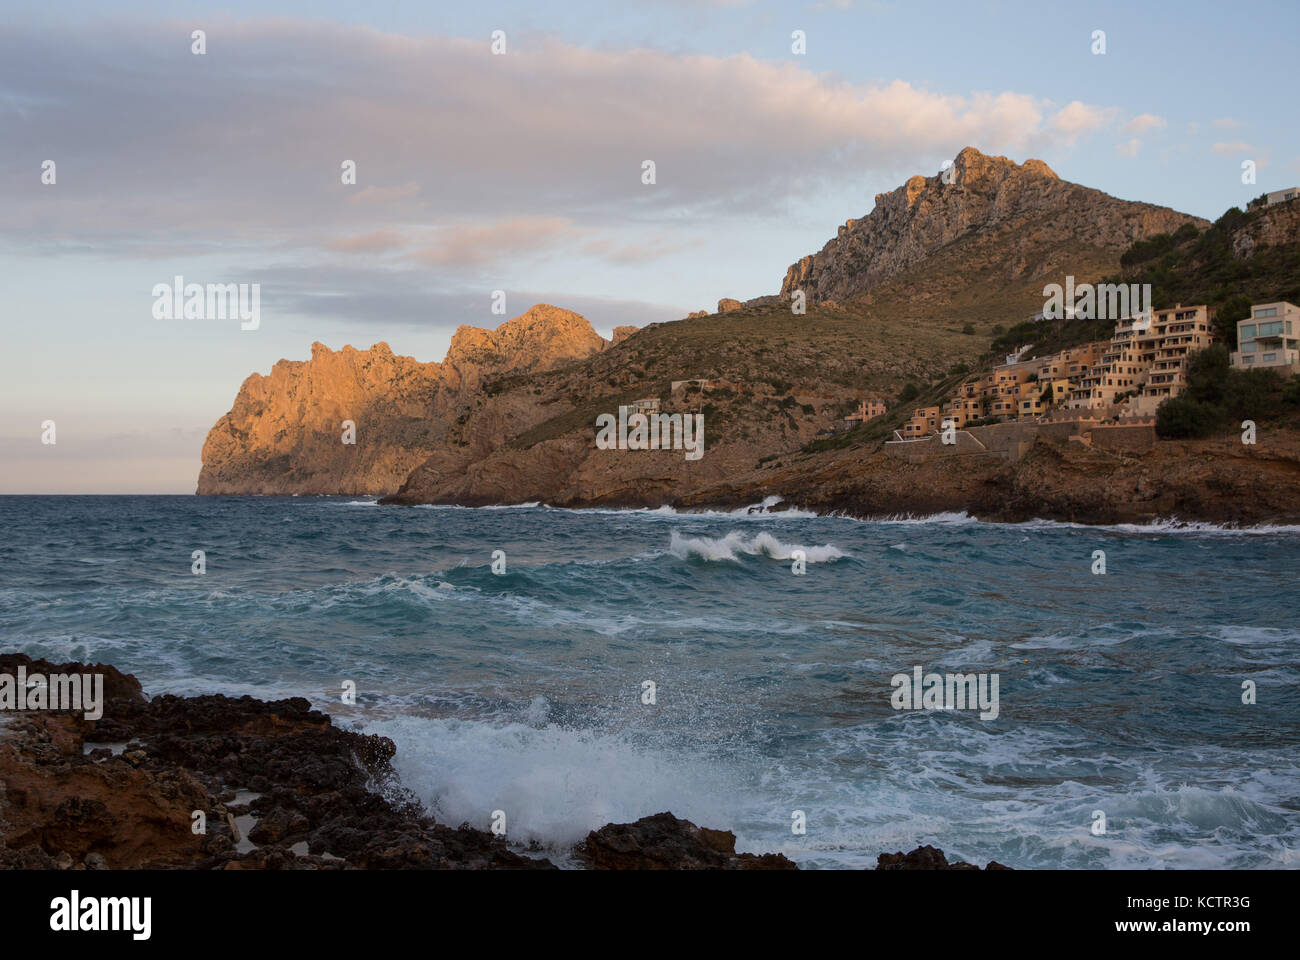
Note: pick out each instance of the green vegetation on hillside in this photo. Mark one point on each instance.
(1219, 397)
(1189, 266)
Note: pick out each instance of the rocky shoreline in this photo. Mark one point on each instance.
(1217, 481)
(273, 786)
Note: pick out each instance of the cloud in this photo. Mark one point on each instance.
(1228, 123)
(1130, 148)
(1077, 118)
(242, 147)
(378, 241)
(472, 243)
(1228, 149)
(1144, 122)
(397, 296)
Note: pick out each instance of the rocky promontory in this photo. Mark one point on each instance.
(359, 421)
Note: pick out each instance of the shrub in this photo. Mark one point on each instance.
(1182, 417)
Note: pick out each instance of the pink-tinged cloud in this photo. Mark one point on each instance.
(441, 130)
(1144, 122)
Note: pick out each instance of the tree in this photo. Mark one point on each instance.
(968, 329)
(1182, 417)
(1207, 374)
(1235, 308)
(909, 392)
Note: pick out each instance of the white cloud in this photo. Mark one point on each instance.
(1144, 122)
(1227, 149)
(1076, 119)
(243, 146)
(1129, 148)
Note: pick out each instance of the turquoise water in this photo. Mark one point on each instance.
(522, 692)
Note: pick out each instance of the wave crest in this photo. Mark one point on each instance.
(734, 545)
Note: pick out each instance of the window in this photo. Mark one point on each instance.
(1266, 312)
(1247, 331)
(1249, 347)
(1270, 329)
(1270, 357)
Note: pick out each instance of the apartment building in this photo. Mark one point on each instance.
(1145, 361)
(1072, 363)
(1174, 334)
(925, 420)
(867, 410)
(1141, 365)
(1269, 339)
(1282, 196)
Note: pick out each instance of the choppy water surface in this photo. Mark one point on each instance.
(523, 692)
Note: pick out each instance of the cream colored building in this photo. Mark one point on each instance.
(1146, 361)
(1269, 339)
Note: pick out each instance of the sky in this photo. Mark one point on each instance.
(522, 171)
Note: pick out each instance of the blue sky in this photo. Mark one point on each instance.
(522, 172)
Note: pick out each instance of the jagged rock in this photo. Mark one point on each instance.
(927, 858)
(726, 305)
(284, 433)
(622, 333)
(1267, 227)
(665, 842)
(61, 809)
(1022, 220)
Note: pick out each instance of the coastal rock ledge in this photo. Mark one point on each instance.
(279, 787)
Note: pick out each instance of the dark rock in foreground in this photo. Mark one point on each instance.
(665, 842)
(318, 797)
(927, 858)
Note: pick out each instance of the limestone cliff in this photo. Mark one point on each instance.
(995, 219)
(285, 433)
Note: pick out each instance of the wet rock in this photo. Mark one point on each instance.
(666, 842)
(317, 784)
(927, 858)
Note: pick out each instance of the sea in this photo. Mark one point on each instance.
(741, 669)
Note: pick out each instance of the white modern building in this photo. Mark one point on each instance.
(1269, 338)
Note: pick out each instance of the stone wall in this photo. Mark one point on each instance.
(1124, 438)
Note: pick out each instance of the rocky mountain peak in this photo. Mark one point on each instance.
(541, 336)
(1022, 216)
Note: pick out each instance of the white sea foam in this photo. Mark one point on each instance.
(554, 784)
(734, 545)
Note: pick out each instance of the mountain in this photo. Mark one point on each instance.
(995, 221)
(284, 434)
(911, 295)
